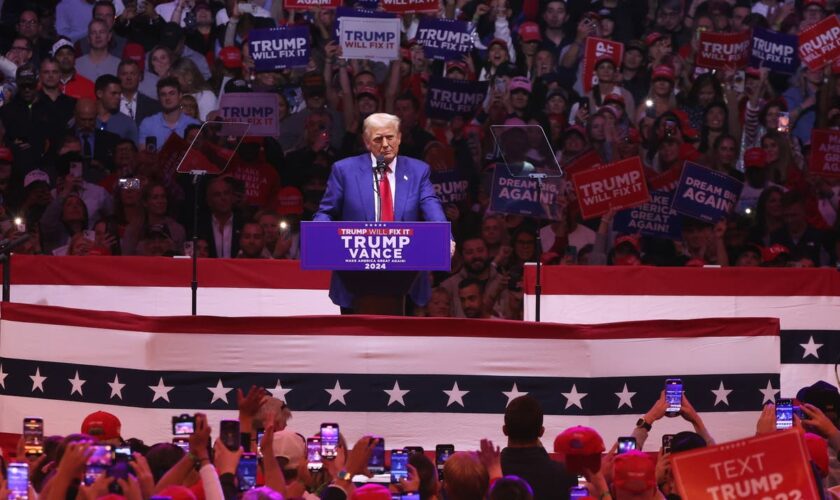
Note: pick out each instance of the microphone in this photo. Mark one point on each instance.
(8, 245)
(381, 166)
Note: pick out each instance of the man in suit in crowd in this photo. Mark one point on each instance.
(136, 105)
(406, 191)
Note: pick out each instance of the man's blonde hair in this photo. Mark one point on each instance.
(380, 120)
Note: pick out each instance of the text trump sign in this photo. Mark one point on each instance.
(820, 43)
(773, 466)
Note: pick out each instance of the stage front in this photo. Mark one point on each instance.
(415, 381)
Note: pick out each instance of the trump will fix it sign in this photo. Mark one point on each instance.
(820, 44)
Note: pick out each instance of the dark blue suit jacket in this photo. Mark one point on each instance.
(349, 196)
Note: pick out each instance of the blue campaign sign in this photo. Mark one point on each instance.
(654, 218)
(279, 48)
(706, 194)
(375, 246)
(447, 97)
(362, 12)
(451, 186)
(444, 39)
(518, 195)
(777, 51)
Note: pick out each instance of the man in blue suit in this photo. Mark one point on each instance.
(407, 194)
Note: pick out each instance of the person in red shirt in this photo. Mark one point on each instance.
(72, 83)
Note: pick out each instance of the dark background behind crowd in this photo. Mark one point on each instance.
(92, 91)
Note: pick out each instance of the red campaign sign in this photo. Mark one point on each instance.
(825, 153)
(595, 48)
(583, 161)
(820, 44)
(724, 50)
(408, 6)
(770, 466)
(311, 4)
(612, 186)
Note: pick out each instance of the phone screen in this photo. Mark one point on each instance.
(33, 436)
(784, 414)
(399, 465)
(666, 442)
(376, 464)
(313, 453)
(578, 492)
(246, 471)
(122, 454)
(784, 122)
(673, 395)
(260, 434)
(18, 481)
(229, 434)
(182, 442)
(100, 460)
(183, 425)
(626, 444)
(329, 441)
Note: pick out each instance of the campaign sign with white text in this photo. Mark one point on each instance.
(451, 186)
(381, 246)
(518, 195)
(825, 153)
(654, 218)
(820, 44)
(444, 39)
(612, 186)
(258, 109)
(448, 97)
(377, 39)
(310, 4)
(773, 466)
(342, 12)
(409, 6)
(594, 49)
(723, 50)
(279, 48)
(706, 194)
(774, 50)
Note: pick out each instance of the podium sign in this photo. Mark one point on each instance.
(375, 246)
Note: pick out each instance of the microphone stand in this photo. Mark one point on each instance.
(6, 247)
(540, 178)
(378, 172)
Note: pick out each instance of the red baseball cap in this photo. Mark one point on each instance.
(773, 252)
(6, 155)
(579, 440)
(632, 239)
(135, 52)
(530, 32)
(459, 65)
(663, 71)
(604, 58)
(102, 425)
(755, 157)
(615, 99)
(820, 3)
(653, 37)
(371, 492)
(289, 201)
(818, 450)
(499, 41)
(634, 472)
(231, 57)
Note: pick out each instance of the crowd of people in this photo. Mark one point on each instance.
(522, 470)
(92, 92)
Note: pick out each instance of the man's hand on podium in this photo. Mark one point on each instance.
(451, 248)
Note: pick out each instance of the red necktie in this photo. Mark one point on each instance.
(387, 208)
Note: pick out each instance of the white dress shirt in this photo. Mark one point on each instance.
(128, 107)
(391, 179)
(222, 237)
